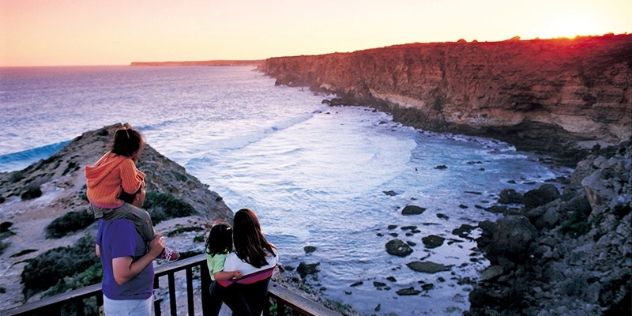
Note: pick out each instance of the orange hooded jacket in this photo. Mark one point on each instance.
(111, 174)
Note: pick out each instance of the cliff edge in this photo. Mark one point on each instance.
(558, 96)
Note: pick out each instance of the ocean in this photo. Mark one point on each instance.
(335, 178)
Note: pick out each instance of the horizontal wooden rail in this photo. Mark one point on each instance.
(283, 297)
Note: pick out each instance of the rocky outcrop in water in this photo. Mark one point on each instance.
(570, 256)
(558, 96)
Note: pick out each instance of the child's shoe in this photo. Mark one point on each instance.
(169, 255)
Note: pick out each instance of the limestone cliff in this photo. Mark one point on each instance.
(549, 95)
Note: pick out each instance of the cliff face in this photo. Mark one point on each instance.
(538, 94)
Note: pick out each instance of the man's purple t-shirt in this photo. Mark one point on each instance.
(118, 238)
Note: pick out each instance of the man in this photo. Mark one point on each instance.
(128, 272)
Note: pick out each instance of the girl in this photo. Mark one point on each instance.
(256, 258)
(219, 243)
(115, 174)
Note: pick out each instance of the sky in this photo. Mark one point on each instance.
(118, 32)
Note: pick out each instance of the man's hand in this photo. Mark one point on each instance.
(156, 246)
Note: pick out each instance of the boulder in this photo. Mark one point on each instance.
(432, 241)
(491, 273)
(413, 210)
(508, 237)
(599, 189)
(463, 231)
(541, 196)
(307, 268)
(510, 196)
(427, 267)
(408, 291)
(398, 248)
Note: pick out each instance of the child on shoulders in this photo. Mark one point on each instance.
(115, 173)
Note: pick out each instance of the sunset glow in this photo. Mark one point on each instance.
(570, 24)
(117, 32)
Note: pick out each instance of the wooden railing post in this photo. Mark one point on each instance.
(172, 294)
(190, 302)
(205, 284)
(157, 302)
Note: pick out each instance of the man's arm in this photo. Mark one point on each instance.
(124, 269)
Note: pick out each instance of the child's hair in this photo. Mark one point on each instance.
(250, 243)
(220, 239)
(127, 142)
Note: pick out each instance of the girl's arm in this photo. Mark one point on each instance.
(227, 275)
(131, 178)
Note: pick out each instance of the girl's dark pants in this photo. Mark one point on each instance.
(243, 299)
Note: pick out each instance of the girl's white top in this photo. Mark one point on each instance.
(233, 263)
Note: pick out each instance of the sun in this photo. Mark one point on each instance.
(570, 24)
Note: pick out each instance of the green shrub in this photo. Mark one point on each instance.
(17, 176)
(199, 238)
(32, 192)
(5, 230)
(45, 270)
(51, 159)
(92, 275)
(179, 176)
(72, 166)
(189, 254)
(577, 225)
(181, 230)
(82, 193)
(22, 253)
(163, 206)
(68, 224)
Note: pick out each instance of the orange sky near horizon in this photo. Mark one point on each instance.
(117, 32)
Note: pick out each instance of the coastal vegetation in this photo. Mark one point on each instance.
(5, 232)
(69, 223)
(164, 206)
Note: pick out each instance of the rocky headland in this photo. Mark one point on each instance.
(32, 198)
(556, 96)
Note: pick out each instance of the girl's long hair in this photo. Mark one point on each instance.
(127, 142)
(250, 244)
(220, 239)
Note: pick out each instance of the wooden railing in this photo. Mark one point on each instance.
(88, 300)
